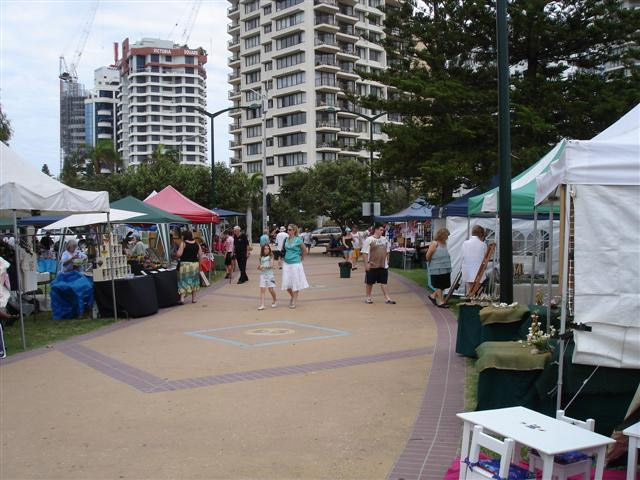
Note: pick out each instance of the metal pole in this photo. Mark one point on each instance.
(110, 257)
(213, 167)
(565, 287)
(264, 160)
(371, 190)
(506, 258)
(19, 276)
(550, 263)
(534, 253)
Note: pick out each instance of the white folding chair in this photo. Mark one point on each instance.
(567, 464)
(498, 468)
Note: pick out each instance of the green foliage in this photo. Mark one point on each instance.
(443, 81)
(335, 189)
(45, 169)
(5, 127)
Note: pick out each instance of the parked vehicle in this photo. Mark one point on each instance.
(321, 236)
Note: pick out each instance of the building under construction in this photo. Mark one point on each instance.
(72, 138)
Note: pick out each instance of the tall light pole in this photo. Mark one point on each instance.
(504, 137)
(212, 116)
(263, 105)
(371, 120)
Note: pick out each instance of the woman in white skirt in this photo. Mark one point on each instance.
(293, 278)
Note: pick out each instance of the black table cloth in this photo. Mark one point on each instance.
(166, 287)
(135, 297)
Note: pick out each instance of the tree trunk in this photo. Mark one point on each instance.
(249, 223)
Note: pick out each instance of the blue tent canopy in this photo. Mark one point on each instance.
(37, 221)
(419, 210)
(227, 213)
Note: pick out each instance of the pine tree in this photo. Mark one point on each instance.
(45, 169)
(443, 76)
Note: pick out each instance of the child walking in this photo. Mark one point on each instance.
(267, 280)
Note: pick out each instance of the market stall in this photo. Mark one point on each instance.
(598, 184)
(411, 231)
(24, 189)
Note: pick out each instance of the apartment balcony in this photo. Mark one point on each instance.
(233, 60)
(233, 94)
(234, 145)
(327, 125)
(347, 32)
(233, 43)
(395, 117)
(325, 104)
(326, 84)
(330, 145)
(232, 27)
(348, 72)
(349, 130)
(347, 14)
(326, 23)
(324, 43)
(235, 160)
(348, 52)
(234, 78)
(328, 64)
(325, 5)
(235, 126)
(233, 11)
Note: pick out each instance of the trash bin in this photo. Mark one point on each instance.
(345, 269)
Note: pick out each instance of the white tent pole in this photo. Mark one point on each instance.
(550, 263)
(565, 287)
(404, 254)
(17, 267)
(113, 283)
(534, 253)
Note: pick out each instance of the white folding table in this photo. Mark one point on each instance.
(633, 432)
(547, 435)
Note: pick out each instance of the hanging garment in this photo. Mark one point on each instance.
(5, 285)
(28, 270)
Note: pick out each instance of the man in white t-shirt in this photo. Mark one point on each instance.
(376, 263)
(278, 252)
(473, 251)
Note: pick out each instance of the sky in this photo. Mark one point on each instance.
(34, 34)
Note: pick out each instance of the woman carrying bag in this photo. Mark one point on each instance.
(439, 263)
(189, 254)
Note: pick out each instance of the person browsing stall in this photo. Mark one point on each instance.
(473, 252)
(70, 259)
(439, 263)
(189, 254)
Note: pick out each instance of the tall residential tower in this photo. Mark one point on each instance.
(298, 59)
(100, 107)
(161, 83)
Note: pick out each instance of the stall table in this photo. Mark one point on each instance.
(508, 372)
(547, 435)
(633, 432)
(468, 337)
(166, 282)
(135, 297)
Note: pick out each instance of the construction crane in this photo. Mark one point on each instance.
(68, 72)
(188, 24)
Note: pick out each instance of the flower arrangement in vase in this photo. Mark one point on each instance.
(537, 339)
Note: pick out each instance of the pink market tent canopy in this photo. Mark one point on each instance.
(173, 201)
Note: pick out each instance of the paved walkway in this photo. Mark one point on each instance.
(332, 389)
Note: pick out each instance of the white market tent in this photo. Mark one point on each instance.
(24, 188)
(82, 219)
(602, 188)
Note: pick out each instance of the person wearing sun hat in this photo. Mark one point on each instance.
(347, 242)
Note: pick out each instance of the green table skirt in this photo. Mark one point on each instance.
(219, 262)
(471, 332)
(510, 356)
(497, 315)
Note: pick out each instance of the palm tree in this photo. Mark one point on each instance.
(105, 158)
(254, 194)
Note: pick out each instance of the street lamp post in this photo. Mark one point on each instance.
(371, 120)
(263, 105)
(212, 116)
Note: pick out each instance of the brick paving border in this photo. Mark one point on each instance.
(435, 438)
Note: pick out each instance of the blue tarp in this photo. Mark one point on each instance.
(71, 295)
(419, 210)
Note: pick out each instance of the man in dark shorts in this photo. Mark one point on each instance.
(241, 248)
(376, 263)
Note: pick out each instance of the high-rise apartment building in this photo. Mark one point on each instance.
(298, 59)
(72, 137)
(161, 83)
(100, 107)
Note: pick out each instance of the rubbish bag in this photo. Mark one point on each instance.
(71, 295)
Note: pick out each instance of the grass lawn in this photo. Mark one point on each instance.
(45, 331)
(419, 275)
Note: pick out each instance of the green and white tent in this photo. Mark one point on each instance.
(523, 189)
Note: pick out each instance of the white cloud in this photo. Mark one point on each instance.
(33, 34)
